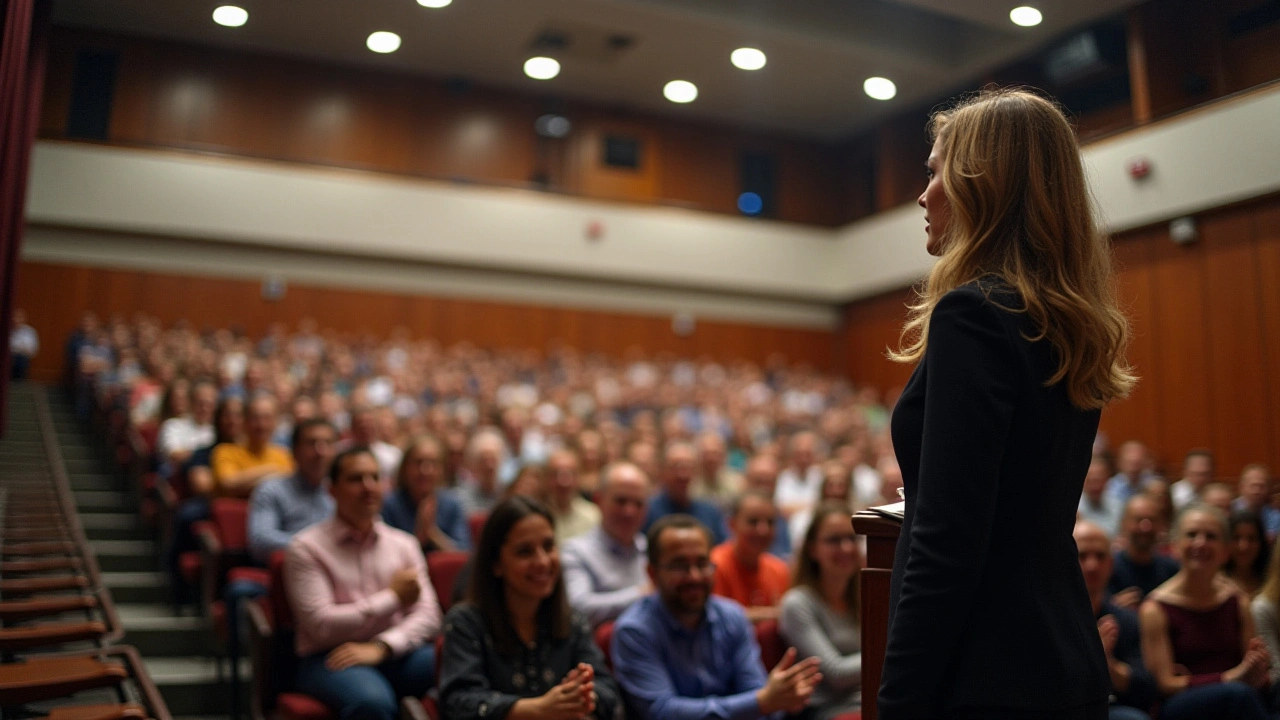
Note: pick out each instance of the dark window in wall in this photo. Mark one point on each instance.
(1089, 71)
(622, 152)
(759, 179)
(92, 86)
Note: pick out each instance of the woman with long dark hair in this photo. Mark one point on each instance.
(1019, 343)
(514, 649)
(1248, 557)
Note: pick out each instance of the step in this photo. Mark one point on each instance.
(112, 526)
(104, 500)
(190, 685)
(93, 482)
(150, 588)
(125, 555)
(157, 632)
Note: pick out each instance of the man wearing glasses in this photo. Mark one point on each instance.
(681, 653)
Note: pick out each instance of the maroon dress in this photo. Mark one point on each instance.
(1205, 642)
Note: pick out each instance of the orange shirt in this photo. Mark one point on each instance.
(759, 587)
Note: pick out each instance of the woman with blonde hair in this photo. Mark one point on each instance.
(1019, 343)
(1265, 609)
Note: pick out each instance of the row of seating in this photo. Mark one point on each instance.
(57, 620)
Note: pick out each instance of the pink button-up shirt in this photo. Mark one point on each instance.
(338, 585)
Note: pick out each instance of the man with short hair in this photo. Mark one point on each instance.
(1255, 496)
(282, 506)
(745, 571)
(1132, 687)
(685, 654)
(239, 467)
(716, 481)
(1095, 505)
(479, 490)
(762, 476)
(679, 462)
(604, 569)
(363, 606)
(1219, 495)
(1138, 569)
(365, 433)
(800, 483)
(574, 514)
(1197, 471)
(1132, 462)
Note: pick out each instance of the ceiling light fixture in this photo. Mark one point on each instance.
(541, 68)
(879, 88)
(747, 59)
(230, 16)
(1026, 16)
(680, 91)
(434, 3)
(383, 42)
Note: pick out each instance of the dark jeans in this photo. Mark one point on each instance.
(369, 693)
(1224, 701)
(1123, 712)
(19, 366)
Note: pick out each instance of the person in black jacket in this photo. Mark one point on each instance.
(1019, 343)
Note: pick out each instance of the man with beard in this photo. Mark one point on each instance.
(1138, 568)
(682, 653)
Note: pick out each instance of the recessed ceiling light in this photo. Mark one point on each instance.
(541, 68)
(880, 88)
(383, 42)
(680, 91)
(434, 3)
(1026, 16)
(747, 59)
(230, 16)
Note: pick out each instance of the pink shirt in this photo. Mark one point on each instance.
(339, 590)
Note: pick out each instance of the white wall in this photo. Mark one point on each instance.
(650, 259)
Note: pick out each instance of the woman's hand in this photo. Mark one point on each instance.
(1252, 670)
(572, 699)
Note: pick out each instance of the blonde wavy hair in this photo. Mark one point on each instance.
(1021, 211)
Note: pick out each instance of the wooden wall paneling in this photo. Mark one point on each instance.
(903, 147)
(1137, 417)
(601, 181)
(1183, 53)
(1234, 323)
(59, 71)
(54, 298)
(1181, 369)
(1267, 226)
(699, 169)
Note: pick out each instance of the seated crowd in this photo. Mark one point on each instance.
(636, 526)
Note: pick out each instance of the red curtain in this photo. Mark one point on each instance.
(23, 49)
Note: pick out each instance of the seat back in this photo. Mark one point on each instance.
(604, 639)
(443, 567)
(231, 517)
(281, 612)
(475, 523)
(772, 646)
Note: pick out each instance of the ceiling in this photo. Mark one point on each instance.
(819, 51)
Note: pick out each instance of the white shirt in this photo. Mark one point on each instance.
(794, 491)
(182, 434)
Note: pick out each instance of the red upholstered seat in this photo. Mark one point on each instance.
(476, 525)
(190, 566)
(260, 576)
(231, 517)
(772, 647)
(443, 568)
(296, 706)
(604, 639)
(849, 716)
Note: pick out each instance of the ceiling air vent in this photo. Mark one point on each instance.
(571, 39)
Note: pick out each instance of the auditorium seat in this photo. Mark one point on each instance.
(443, 567)
(772, 646)
(604, 640)
(475, 523)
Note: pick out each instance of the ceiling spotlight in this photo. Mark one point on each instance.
(541, 68)
(747, 59)
(680, 91)
(434, 3)
(1026, 16)
(383, 42)
(230, 16)
(880, 88)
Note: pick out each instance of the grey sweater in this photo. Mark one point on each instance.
(1265, 625)
(808, 624)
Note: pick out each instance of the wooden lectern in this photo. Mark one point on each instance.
(882, 540)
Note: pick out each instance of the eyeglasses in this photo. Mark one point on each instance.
(704, 567)
(838, 540)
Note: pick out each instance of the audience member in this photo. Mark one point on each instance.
(239, 467)
(685, 654)
(1197, 631)
(363, 606)
(644, 455)
(561, 493)
(1266, 620)
(365, 433)
(1133, 472)
(284, 506)
(679, 462)
(513, 648)
(745, 571)
(1255, 496)
(1096, 505)
(1219, 495)
(820, 612)
(1138, 569)
(1133, 690)
(762, 476)
(837, 486)
(716, 481)
(24, 343)
(604, 569)
(798, 483)
(479, 490)
(421, 506)
(1197, 471)
(228, 427)
(1248, 553)
(182, 434)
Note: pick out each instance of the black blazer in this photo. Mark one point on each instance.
(989, 616)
